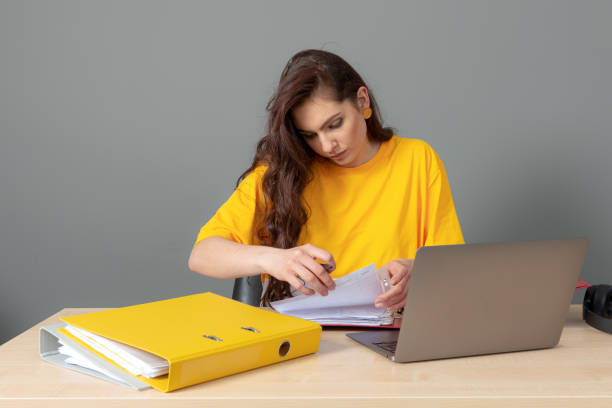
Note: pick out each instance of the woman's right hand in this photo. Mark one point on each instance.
(298, 265)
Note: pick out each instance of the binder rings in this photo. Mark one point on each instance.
(202, 336)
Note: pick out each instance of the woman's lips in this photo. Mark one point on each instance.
(338, 156)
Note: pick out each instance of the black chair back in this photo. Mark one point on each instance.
(248, 290)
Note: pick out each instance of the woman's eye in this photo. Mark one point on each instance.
(308, 135)
(336, 123)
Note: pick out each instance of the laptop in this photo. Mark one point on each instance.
(473, 299)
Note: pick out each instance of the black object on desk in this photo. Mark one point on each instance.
(597, 307)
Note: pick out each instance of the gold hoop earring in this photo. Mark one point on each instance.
(367, 113)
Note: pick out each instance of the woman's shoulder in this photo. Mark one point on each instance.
(417, 154)
(260, 170)
(413, 147)
(255, 174)
(411, 143)
(251, 181)
(249, 186)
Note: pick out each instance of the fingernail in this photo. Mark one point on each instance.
(377, 304)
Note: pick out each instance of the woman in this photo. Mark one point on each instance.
(328, 183)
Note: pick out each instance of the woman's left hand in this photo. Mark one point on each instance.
(399, 273)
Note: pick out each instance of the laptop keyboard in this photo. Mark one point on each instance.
(387, 345)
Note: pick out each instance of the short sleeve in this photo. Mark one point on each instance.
(442, 223)
(237, 219)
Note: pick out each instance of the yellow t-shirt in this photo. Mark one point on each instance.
(387, 208)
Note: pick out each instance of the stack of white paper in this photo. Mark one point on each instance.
(132, 359)
(351, 303)
(80, 359)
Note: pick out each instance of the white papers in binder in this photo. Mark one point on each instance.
(351, 303)
(132, 359)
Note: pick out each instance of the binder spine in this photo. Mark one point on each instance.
(242, 358)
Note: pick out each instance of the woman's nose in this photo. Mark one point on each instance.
(328, 144)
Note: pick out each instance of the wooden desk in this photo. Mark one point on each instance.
(577, 373)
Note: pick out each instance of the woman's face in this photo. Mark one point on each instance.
(336, 130)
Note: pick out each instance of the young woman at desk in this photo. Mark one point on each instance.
(328, 185)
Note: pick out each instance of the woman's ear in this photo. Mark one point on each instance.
(363, 98)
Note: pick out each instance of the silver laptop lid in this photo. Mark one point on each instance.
(488, 298)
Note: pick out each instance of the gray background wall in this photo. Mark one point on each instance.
(124, 125)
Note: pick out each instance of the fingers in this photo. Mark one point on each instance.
(319, 271)
(320, 254)
(302, 270)
(313, 281)
(395, 279)
(395, 295)
(299, 286)
(398, 269)
(397, 306)
(394, 302)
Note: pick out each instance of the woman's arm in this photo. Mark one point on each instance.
(218, 257)
(221, 258)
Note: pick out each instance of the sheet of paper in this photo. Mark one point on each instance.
(77, 358)
(134, 360)
(355, 289)
(352, 302)
(359, 312)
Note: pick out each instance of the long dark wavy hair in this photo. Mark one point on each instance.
(289, 157)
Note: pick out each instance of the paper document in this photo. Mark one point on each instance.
(351, 303)
(132, 359)
(80, 359)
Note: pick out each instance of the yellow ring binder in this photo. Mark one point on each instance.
(180, 330)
